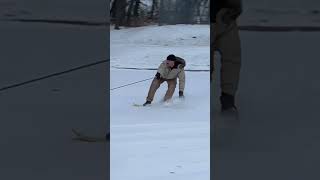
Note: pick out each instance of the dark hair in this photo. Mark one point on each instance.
(171, 57)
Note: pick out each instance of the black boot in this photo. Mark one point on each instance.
(147, 103)
(227, 102)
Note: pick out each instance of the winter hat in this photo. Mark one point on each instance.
(171, 57)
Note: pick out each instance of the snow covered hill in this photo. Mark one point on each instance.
(146, 47)
(172, 141)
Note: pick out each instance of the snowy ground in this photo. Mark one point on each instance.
(161, 141)
(146, 47)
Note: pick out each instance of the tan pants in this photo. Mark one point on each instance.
(156, 84)
(226, 40)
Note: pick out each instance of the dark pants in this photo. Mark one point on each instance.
(226, 40)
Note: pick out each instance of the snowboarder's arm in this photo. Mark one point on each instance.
(182, 80)
(158, 76)
(161, 69)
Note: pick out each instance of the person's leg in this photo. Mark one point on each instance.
(230, 49)
(153, 88)
(172, 83)
(212, 49)
(214, 84)
(217, 30)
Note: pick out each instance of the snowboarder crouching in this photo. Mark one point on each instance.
(169, 70)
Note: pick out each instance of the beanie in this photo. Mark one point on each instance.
(171, 57)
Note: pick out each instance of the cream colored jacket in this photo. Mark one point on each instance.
(173, 73)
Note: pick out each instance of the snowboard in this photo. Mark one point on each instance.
(138, 105)
(161, 103)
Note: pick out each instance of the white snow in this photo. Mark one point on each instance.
(146, 47)
(163, 141)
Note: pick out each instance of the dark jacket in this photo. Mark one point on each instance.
(179, 62)
(235, 7)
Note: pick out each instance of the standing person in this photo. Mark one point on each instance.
(226, 40)
(169, 70)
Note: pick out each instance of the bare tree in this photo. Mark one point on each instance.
(113, 9)
(161, 12)
(136, 8)
(129, 12)
(120, 8)
(186, 11)
(183, 11)
(136, 13)
(153, 8)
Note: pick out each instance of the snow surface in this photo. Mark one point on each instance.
(164, 141)
(146, 47)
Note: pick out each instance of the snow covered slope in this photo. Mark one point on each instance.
(172, 141)
(146, 47)
(160, 142)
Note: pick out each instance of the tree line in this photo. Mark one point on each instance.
(138, 12)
